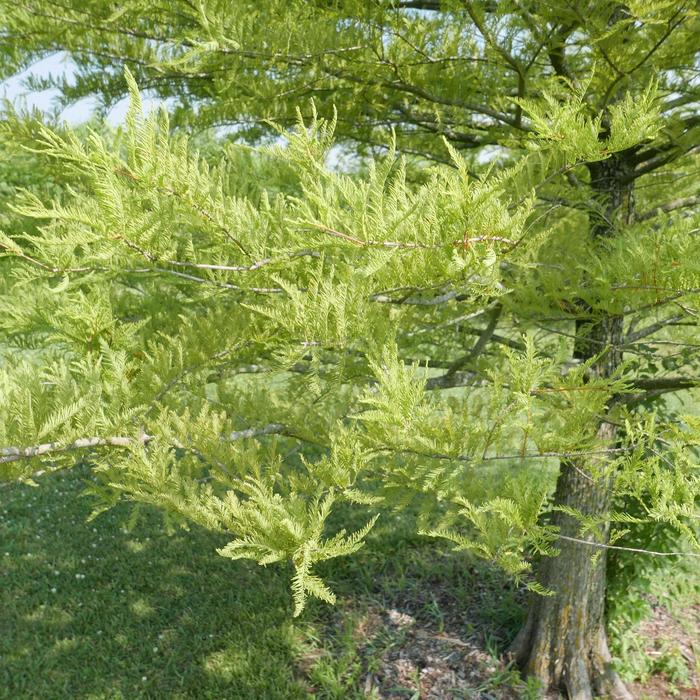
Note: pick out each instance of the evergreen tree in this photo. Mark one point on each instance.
(248, 337)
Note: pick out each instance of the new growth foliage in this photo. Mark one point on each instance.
(251, 342)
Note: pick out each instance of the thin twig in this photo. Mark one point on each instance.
(465, 242)
(637, 550)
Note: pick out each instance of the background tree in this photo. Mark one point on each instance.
(539, 181)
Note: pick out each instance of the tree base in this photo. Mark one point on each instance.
(583, 675)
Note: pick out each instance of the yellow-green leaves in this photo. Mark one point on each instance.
(567, 122)
(271, 527)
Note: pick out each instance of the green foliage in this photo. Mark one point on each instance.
(123, 368)
(251, 338)
(564, 122)
(636, 585)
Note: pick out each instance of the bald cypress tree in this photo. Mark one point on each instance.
(248, 338)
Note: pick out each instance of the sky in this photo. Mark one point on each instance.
(58, 64)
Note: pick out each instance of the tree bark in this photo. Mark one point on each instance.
(564, 642)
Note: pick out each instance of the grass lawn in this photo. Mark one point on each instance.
(88, 610)
(91, 611)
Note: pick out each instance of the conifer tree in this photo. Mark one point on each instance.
(480, 316)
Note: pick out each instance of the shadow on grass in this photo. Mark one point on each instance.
(91, 611)
(424, 578)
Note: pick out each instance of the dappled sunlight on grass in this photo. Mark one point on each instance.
(141, 608)
(95, 611)
(227, 664)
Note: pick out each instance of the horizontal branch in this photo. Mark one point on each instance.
(639, 390)
(453, 380)
(241, 268)
(648, 389)
(666, 384)
(152, 270)
(651, 552)
(434, 301)
(509, 457)
(269, 429)
(425, 5)
(14, 454)
(464, 242)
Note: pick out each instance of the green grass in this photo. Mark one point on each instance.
(88, 610)
(91, 611)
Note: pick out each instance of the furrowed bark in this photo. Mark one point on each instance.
(564, 642)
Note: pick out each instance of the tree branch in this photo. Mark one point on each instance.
(680, 203)
(657, 161)
(650, 329)
(600, 545)
(14, 454)
(666, 384)
(481, 342)
(452, 381)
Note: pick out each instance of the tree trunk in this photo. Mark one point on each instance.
(564, 642)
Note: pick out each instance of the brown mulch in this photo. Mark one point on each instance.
(409, 661)
(412, 661)
(437, 666)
